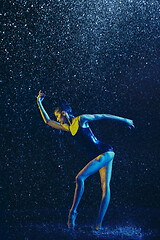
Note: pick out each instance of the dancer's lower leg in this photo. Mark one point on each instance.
(105, 175)
(77, 197)
(103, 208)
(78, 194)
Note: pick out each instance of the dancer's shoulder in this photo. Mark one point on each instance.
(75, 125)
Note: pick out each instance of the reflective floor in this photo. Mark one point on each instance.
(117, 228)
(59, 232)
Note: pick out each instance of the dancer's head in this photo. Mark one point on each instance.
(63, 113)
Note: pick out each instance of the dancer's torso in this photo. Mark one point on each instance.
(85, 139)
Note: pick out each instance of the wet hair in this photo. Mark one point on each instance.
(65, 107)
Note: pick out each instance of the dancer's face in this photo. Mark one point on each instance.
(61, 117)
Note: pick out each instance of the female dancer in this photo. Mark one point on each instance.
(102, 153)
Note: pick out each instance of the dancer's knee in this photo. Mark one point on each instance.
(79, 179)
(105, 189)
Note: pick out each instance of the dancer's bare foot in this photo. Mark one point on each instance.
(71, 220)
(97, 227)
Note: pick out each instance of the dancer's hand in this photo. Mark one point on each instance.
(41, 96)
(130, 123)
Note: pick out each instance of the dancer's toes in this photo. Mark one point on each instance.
(97, 227)
(71, 220)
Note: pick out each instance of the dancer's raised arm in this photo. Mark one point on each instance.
(93, 117)
(45, 116)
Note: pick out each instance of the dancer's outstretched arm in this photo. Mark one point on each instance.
(45, 116)
(92, 117)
